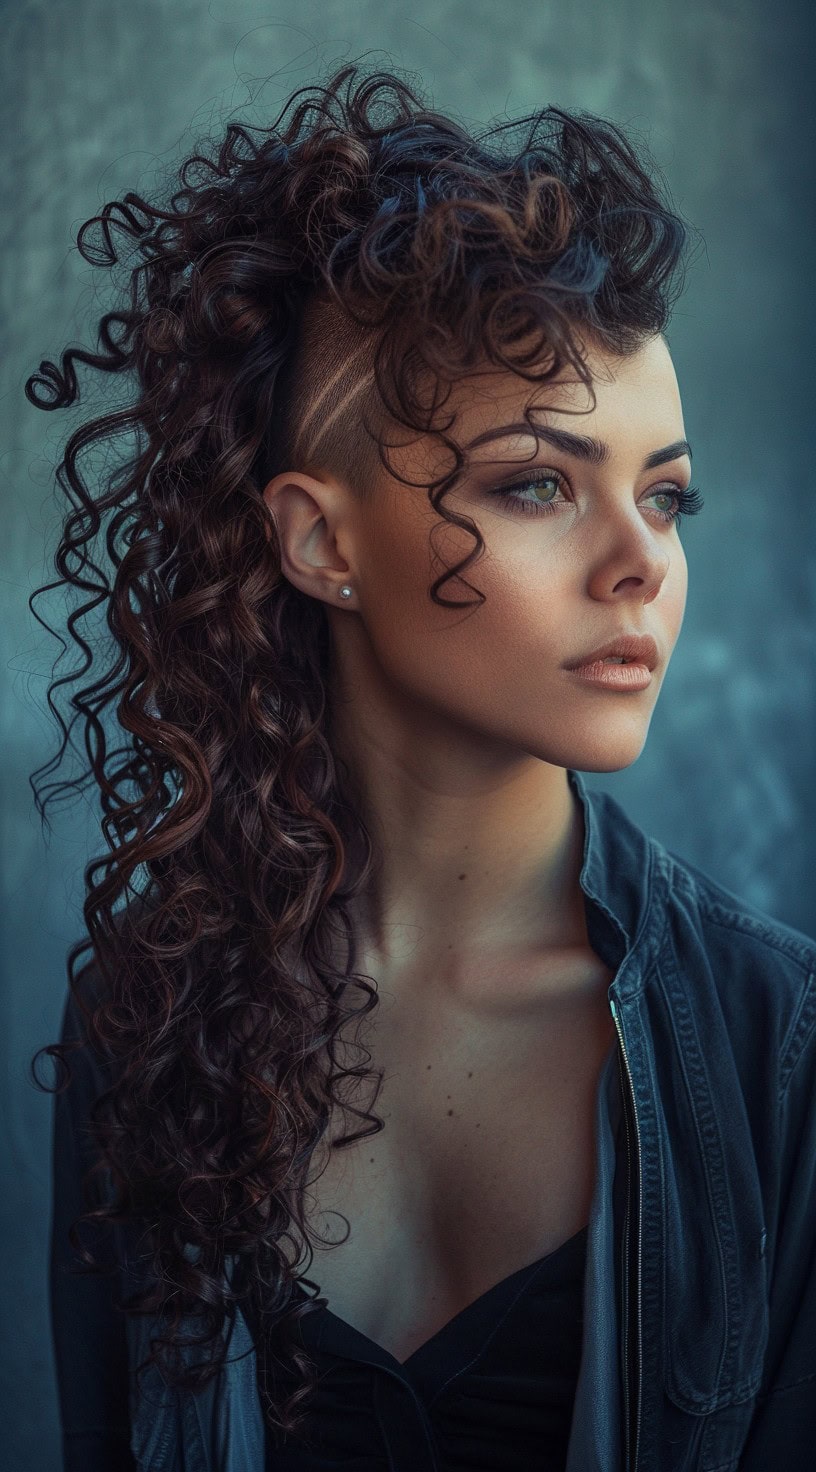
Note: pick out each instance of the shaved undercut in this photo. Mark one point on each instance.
(331, 395)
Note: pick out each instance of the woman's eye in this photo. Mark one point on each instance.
(544, 486)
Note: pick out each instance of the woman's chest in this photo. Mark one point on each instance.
(486, 1162)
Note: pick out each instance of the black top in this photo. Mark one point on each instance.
(491, 1391)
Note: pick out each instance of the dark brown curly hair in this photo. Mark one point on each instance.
(368, 251)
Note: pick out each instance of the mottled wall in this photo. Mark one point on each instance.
(96, 93)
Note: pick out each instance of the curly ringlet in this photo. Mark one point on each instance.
(308, 296)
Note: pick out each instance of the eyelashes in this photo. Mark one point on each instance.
(687, 502)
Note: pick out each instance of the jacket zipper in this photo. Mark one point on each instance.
(634, 1458)
(625, 1263)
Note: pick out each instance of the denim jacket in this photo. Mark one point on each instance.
(699, 1330)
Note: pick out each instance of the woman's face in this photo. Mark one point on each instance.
(571, 561)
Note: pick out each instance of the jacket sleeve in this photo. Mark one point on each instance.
(88, 1334)
(782, 1431)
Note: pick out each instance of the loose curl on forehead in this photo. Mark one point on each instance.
(307, 295)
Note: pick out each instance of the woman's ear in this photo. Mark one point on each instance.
(311, 515)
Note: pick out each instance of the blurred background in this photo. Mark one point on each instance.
(97, 94)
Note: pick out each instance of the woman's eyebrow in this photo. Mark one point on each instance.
(582, 446)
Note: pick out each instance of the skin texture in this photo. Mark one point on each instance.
(459, 724)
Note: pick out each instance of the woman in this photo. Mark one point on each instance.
(381, 365)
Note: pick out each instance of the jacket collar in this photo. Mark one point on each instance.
(616, 877)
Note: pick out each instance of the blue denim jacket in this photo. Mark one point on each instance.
(699, 1337)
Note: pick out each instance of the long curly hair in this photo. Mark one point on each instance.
(364, 250)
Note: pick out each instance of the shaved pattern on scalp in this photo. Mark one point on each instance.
(332, 394)
(313, 434)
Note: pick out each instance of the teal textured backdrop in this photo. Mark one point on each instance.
(95, 94)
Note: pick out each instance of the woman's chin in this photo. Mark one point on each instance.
(604, 750)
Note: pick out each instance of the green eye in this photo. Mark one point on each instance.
(508, 495)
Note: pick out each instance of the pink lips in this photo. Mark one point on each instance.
(634, 648)
(615, 676)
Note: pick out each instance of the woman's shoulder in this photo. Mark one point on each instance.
(662, 898)
(755, 961)
(720, 908)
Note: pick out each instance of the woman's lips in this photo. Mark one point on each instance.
(614, 676)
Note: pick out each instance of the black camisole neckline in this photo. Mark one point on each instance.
(491, 1391)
